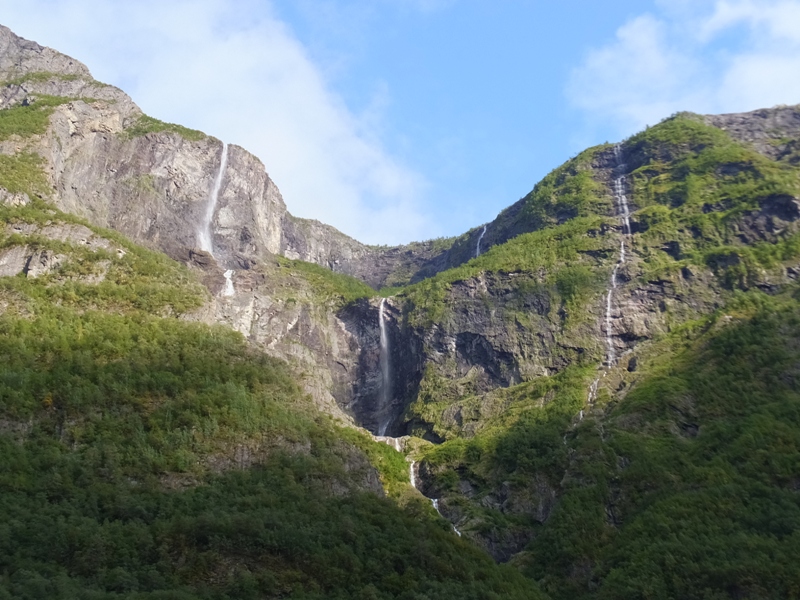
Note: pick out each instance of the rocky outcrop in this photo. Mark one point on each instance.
(32, 260)
(19, 57)
(773, 132)
(366, 403)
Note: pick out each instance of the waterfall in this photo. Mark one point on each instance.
(228, 291)
(394, 442)
(593, 391)
(386, 391)
(478, 245)
(204, 234)
(622, 210)
(435, 501)
(620, 197)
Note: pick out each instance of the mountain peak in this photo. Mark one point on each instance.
(20, 57)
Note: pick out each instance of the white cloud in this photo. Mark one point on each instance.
(232, 69)
(729, 56)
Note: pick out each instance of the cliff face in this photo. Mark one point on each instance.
(105, 161)
(151, 180)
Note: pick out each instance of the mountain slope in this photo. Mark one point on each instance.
(598, 386)
(146, 456)
(530, 373)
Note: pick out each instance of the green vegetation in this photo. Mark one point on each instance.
(681, 481)
(24, 173)
(391, 465)
(542, 252)
(149, 457)
(146, 456)
(329, 287)
(117, 276)
(698, 190)
(102, 415)
(40, 77)
(145, 125)
(567, 192)
(698, 468)
(28, 120)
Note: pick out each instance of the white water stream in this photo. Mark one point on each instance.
(397, 444)
(229, 290)
(478, 245)
(386, 383)
(204, 234)
(434, 501)
(622, 210)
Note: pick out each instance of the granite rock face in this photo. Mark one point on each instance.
(20, 57)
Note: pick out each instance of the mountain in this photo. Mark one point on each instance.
(598, 387)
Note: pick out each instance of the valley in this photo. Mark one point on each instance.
(594, 395)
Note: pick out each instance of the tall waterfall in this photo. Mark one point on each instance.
(386, 382)
(478, 245)
(204, 236)
(622, 210)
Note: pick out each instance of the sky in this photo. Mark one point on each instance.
(402, 120)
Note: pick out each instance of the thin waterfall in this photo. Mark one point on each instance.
(478, 245)
(386, 383)
(619, 195)
(435, 501)
(412, 474)
(622, 210)
(204, 235)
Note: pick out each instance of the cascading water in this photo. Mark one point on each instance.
(397, 444)
(386, 383)
(478, 245)
(229, 290)
(204, 236)
(623, 212)
(435, 501)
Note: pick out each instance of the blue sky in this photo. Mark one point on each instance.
(397, 120)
